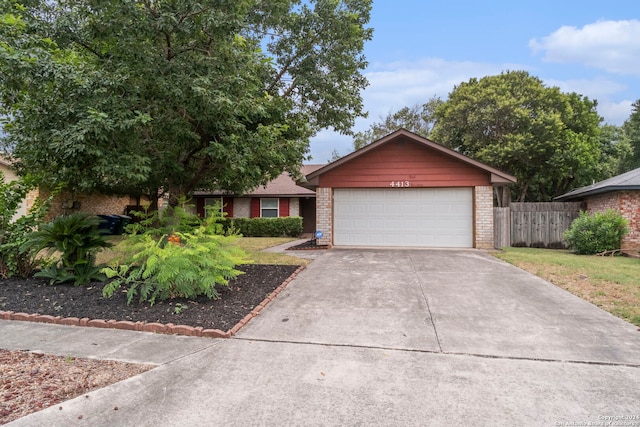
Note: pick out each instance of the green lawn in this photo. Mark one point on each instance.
(251, 245)
(612, 283)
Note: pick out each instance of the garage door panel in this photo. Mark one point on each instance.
(436, 217)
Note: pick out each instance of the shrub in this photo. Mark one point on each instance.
(14, 233)
(264, 227)
(595, 233)
(77, 238)
(173, 219)
(179, 265)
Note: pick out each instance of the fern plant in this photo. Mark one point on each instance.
(78, 239)
(180, 265)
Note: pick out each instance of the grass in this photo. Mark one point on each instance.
(611, 283)
(253, 246)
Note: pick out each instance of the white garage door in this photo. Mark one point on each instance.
(421, 217)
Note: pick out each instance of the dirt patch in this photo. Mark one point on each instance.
(30, 382)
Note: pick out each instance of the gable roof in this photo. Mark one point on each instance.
(284, 185)
(281, 186)
(497, 176)
(626, 181)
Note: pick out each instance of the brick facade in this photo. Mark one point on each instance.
(483, 217)
(603, 202)
(628, 204)
(98, 204)
(242, 207)
(324, 214)
(294, 206)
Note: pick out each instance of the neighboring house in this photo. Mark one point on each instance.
(281, 197)
(620, 193)
(405, 190)
(94, 203)
(66, 203)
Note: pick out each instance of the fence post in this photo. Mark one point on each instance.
(501, 227)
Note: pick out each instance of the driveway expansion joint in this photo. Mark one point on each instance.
(445, 353)
(426, 301)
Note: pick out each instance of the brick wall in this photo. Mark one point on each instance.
(98, 204)
(603, 202)
(483, 227)
(324, 214)
(294, 206)
(628, 204)
(242, 207)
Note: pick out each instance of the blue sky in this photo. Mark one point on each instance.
(422, 48)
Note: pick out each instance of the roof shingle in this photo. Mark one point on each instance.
(626, 181)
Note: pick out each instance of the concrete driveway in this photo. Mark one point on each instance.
(393, 337)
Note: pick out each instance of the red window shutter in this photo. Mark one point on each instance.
(228, 206)
(255, 207)
(200, 206)
(284, 207)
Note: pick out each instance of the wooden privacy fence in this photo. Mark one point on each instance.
(539, 225)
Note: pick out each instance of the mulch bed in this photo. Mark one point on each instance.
(243, 294)
(306, 246)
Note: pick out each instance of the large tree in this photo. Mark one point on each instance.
(141, 95)
(617, 152)
(419, 119)
(548, 139)
(631, 128)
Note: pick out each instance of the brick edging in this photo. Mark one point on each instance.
(159, 328)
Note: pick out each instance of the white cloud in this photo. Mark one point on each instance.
(604, 91)
(615, 113)
(609, 45)
(399, 84)
(396, 85)
(596, 88)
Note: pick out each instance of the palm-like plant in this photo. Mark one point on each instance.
(78, 239)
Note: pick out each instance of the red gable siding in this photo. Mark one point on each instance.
(403, 161)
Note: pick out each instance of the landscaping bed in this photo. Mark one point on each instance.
(243, 294)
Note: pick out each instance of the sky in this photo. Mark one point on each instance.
(423, 48)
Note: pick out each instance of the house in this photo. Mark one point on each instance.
(405, 190)
(621, 193)
(9, 175)
(281, 197)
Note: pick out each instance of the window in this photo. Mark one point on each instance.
(269, 208)
(210, 203)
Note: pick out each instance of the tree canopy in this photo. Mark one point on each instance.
(141, 95)
(418, 119)
(548, 139)
(631, 130)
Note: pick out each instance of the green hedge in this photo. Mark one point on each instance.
(290, 226)
(596, 233)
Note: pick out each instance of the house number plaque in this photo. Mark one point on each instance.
(399, 184)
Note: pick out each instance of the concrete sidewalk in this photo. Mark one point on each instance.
(371, 337)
